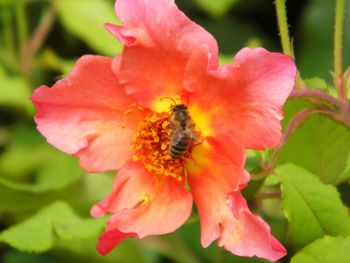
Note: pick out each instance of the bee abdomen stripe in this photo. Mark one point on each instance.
(181, 150)
(179, 147)
(175, 154)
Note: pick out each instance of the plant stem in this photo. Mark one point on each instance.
(340, 114)
(42, 31)
(21, 20)
(338, 35)
(338, 45)
(283, 26)
(295, 122)
(313, 95)
(32, 46)
(8, 54)
(284, 34)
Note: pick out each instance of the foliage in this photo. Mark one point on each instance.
(313, 209)
(54, 221)
(84, 19)
(327, 250)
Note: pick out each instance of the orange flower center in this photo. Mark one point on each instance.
(151, 144)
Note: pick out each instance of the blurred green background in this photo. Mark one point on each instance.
(46, 193)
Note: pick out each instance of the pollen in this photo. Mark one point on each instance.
(151, 145)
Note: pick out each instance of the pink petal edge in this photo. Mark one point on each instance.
(244, 98)
(155, 62)
(142, 205)
(83, 115)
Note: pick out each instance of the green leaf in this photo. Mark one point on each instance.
(223, 59)
(14, 92)
(82, 193)
(254, 42)
(50, 60)
(293, 106)
(325, 250)
(313, 209)
(317, 83)
(345, 175)
(44, 175)
(128, 251)
(45, 167)
(216, 8)
(322, 146)
(85, 19)
(57, 221)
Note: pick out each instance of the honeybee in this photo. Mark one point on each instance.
(183, 131)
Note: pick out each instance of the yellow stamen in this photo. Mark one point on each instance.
(165, 124)
(151, 145)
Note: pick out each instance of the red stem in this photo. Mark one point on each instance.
(316, 94)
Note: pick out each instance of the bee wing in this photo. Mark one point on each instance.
(178, 136)
(190, 133)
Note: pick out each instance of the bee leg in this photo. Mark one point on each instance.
(198, 141)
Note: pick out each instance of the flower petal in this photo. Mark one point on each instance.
(143, 204)
(109, 240)
(244, 98)
(83, 115)
(159, 40)
(215, 180)
(255, 237)
(215, 171)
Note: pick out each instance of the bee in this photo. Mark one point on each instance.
(183, 131)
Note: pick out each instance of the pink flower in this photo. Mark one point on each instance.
(114, 114)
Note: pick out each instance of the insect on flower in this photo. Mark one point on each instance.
(183, 132)
(110, 114)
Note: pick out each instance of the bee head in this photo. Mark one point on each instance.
(180, 107)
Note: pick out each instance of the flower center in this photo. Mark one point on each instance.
(152, 143)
